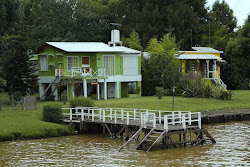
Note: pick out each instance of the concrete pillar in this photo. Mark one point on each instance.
(98, 91)
(117, 90)
(207, 68)
(85, 88)
(41, 91)
(105, 89)
(215, 70)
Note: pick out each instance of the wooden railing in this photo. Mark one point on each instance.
(144, 117)
(79, 71)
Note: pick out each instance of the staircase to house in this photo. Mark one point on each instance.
(54, 83)
(220, 82)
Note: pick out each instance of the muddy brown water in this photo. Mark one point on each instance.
(232, 149)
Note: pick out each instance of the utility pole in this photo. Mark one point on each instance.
(191, 36)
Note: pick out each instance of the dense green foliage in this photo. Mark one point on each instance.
(52, 113)
(237, 55)
(82, 102)
(161, 69)
(196, 86)
(159, 92)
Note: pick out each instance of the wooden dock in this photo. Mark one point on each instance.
(151, 127)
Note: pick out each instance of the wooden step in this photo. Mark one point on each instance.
(156, 132)
(148, 140)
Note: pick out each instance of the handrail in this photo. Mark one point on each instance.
(127, 114)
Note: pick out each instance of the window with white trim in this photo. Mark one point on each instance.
(72, 62)
(108, 62)
(43, 63)
(130, 65)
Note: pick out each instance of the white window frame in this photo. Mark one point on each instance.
(68, 61)
(133, 70)
(44, 67)
(106, 70)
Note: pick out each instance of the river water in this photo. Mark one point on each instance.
(232, 149)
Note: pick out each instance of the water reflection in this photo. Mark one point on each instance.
(232, 149)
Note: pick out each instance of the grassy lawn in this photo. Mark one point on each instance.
(241, 99)
(21, 124)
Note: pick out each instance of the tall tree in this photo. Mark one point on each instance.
(154, 18)
(223, 15)
(161, 70)
(133, 41)
(237, 55)
(17, 70)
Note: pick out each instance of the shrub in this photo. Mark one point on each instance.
(52, 113)
(81, 101)
(159, 92)
(51, 97)
(226, 95)
(64, 97)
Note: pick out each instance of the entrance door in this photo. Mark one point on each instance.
(85, 64)
(111, 90)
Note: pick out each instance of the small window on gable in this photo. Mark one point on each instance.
(44, 63)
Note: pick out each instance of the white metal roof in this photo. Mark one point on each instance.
(206, 50)
(197, 56)
(84, 47)
(128, 50)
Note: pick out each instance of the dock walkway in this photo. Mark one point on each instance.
(156, 125)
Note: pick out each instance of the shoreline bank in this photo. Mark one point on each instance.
(223, 116)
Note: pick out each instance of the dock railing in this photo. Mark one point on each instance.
(126, 115)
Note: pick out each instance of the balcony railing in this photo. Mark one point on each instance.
(79, 71)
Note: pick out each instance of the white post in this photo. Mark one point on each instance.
(166, 122)
(145, 120)
(105, 89)
(127, 118)
(82, 116)
(154, 121)
(159, 117)
(72, 72)
(115, 117)
(100, 113)
(110, 111)
(173, 115)
(183, 121)
(142, 117)
(85, 87)
(117, 89)
(88, 112)
(93, 115)
(134, 114)
(98, 91)
(70, 114)
(199, 120)
(189, 118)
(122, 113)
(103, 118)
(215, 70)
(207, 68)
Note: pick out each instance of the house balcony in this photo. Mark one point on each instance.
(80, 72)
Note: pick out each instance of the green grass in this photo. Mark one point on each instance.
(22, 124)
(241, 99)
(19, 124)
